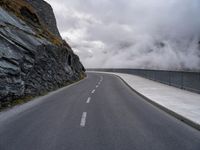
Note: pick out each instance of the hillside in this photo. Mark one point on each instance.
(33, 57)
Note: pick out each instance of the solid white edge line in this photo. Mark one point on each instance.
(83, 119)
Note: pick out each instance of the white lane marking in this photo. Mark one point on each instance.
(97, 86)
(83, 119)
(88, 100)
(93, 91)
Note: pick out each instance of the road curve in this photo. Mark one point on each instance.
(98, 113)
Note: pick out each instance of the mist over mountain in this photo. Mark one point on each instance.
(154, 34)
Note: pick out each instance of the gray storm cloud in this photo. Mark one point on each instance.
(154, 34)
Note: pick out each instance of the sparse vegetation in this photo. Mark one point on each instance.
(19, 101)
(25, 11)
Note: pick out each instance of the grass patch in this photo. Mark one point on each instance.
(12, 103)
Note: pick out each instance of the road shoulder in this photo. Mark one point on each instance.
(183, 105)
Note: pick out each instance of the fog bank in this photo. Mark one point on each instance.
(153, 34)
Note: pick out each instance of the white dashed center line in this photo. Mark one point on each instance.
(88, 100)
(83, 119)
(84, 115)
(93, 91)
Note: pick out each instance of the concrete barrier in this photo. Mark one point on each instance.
(181, 79)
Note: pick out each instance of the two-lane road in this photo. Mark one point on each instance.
(98, 113)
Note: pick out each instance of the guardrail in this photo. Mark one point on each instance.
(181, 79)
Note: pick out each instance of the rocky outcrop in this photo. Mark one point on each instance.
(45, 12)
(33, 59)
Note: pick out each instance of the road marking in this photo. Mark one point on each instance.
(97, 86)
(88, 100)
(83, 119)
(93, 91)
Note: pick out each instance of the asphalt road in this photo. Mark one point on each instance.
(98, 113)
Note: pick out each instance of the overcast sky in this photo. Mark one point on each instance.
(155, 34)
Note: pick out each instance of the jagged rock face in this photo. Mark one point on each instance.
(30, 62)
(45, 12)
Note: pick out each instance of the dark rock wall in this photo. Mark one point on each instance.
(30, 64)
(45, 12)
(41, 77)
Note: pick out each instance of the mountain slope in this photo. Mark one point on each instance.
(33, 57)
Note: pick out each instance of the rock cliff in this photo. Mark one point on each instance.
(45, 12)
(33, 57)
